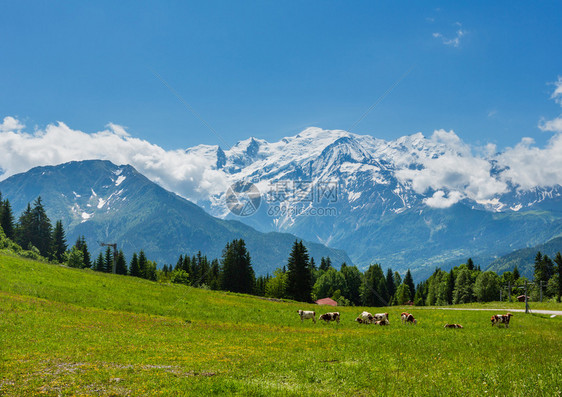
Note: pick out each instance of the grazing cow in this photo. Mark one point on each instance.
(306, 314)
(452, 326)
(382, 322)
(501, 319)
(365, 318)
(408, 318)
(381, 316)
(334, 316)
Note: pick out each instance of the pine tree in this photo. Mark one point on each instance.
(558, 260)
(450, 287)
(214, 275)
(373, 289)
(543, 268)
(179, 263)
(313, 265)
(82, 246)
(237, 274)
(134, 268)
(516, 273)
(470, 264)
(24, 228)
(99, 265)
(59, 243)
(409, 281)
(7, 220)
(463, 287)
(390, 287)
(121, 265)
(143, 265)
(353, 281)
(299, 273)
(325, 264)
(41, 228)
(108, 261)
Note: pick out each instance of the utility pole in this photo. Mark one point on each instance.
(526, 299)
(114, 246)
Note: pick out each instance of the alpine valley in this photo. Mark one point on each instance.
(356, 193)
(374, 200)
(116, 204)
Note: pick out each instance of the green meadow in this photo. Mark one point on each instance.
(77, 332)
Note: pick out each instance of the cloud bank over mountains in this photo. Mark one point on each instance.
(459, 172)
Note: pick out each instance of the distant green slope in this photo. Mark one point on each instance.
(524, 258)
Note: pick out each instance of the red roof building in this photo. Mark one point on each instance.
(326, 301)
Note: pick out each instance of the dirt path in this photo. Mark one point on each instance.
(537, 311)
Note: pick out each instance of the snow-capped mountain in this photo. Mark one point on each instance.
(411, 202)
(110, 203)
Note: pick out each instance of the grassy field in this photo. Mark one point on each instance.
(76, 332)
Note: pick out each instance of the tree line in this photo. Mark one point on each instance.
(299, 279)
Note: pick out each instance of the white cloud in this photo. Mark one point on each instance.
(441, 200)
(11, 124)
(176, 170)
(455, 170)
(557, 94)
(554, 125)
(528, 166)
(455, 41)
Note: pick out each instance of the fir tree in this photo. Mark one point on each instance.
(7, 220)
(143, 265)
(353, 281)
(463, 287)
(82, 246)
(41, 228)
(325, 264)
(214, 275)
(108, 261)
(237, 274)
(450, 287)
(59, 243)
(558, 260)
(390, 286)
(121, 265)
(179, 263)
(470, 264)
(24, 228)
(99, 265)
(373, 289)
(516, 273)
(299, 273)
(134, 268)
(409, 281)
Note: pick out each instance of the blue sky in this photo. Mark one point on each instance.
(270, 69)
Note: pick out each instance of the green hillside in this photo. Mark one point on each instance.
(524, 258)
(77, 332)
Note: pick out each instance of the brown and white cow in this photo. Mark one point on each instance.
(307, 314)
(381, 316)
(365, 318)
(382, 322)
(334, 316)
(501, 319)
(452, 326)
(408, 318)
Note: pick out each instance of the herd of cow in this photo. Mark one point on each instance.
(382, 318)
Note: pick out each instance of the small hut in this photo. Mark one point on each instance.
(326, 301)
